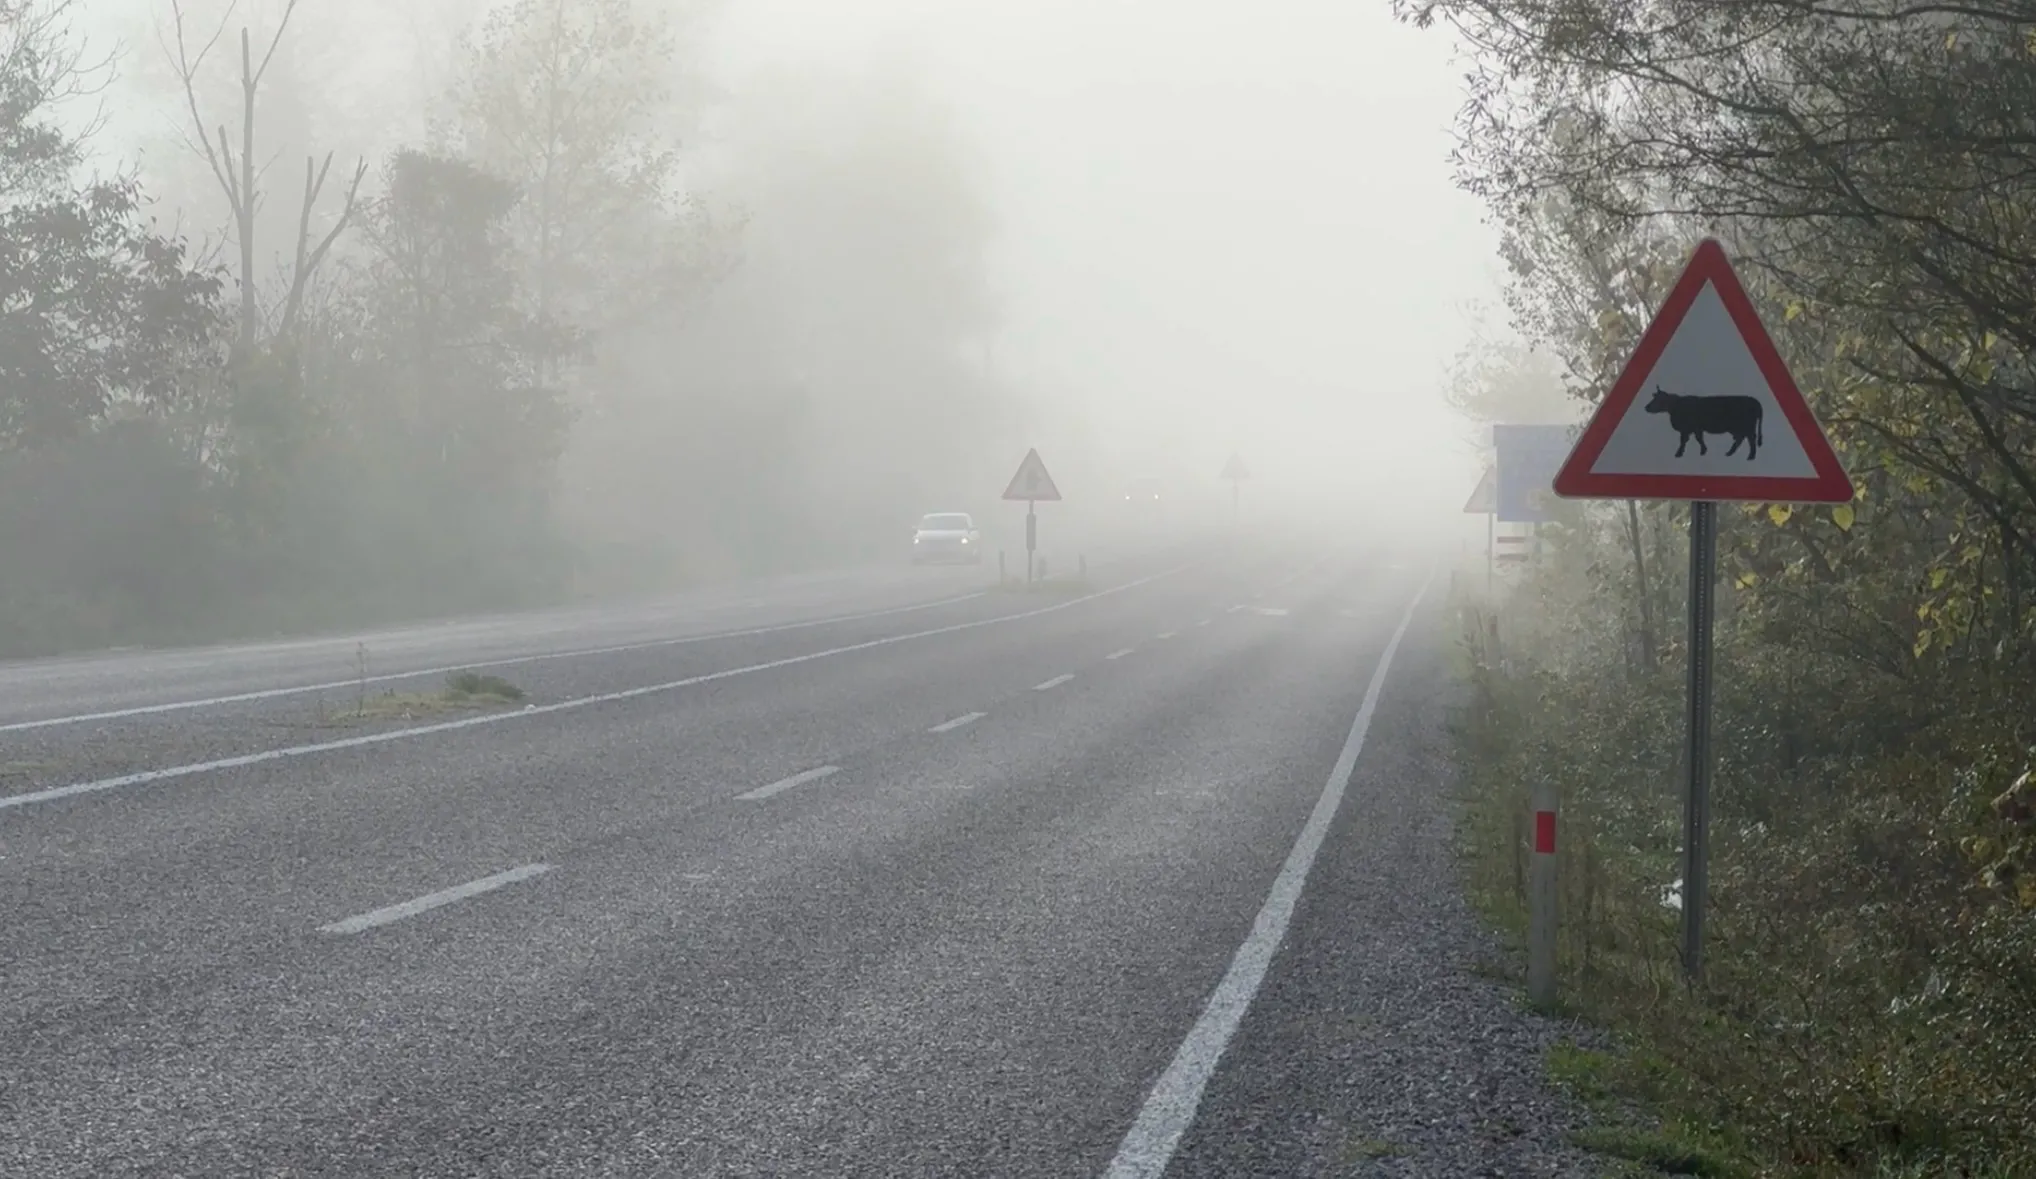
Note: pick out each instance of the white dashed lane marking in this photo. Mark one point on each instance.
(430, 901)
(957, 722)
(1118, 654)
(784, 784)
(1055, 682)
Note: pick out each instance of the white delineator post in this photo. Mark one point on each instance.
(1541, 898)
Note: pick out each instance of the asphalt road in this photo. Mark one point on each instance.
(935, 891)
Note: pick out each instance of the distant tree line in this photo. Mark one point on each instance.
(358, 399)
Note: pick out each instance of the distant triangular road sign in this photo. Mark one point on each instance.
(1234, 469)
(1032, 482)
(1708, 371)
(1484, 499)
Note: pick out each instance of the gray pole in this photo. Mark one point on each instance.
(1697, 753)
(1031, 538)
(1491, 544)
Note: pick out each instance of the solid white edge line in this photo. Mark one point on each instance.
(1170, 1107)
(1055, 682)
(513, 661)
(1166, 634)
(1119, 654)
(784, 784)
(966, 718)
(429, 901)
(144, 777)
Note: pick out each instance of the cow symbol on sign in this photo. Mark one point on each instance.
(1694, 417)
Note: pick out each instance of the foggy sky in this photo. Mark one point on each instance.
(1221, 224)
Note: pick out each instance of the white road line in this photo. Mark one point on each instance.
(1166, 634)
(145, 777)
(1055, 682)
(1119, 654)
(784, 784)
(1170, 1108)
(966, 718)
(517, 661)
(429, 901)
(1205, 622)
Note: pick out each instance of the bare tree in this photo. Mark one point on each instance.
(239, 177)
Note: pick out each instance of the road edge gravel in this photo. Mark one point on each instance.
(1383, 1044)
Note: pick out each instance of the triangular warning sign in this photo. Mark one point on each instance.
(1484, 499)
(1032, 482)
(1234, 469)
(1705, 409)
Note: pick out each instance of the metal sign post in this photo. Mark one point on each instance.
(1697, 750)
(1031, 538)
(1235, 471)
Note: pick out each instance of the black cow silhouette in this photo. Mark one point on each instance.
(1694, 417)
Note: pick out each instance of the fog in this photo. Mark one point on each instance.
(823, 267)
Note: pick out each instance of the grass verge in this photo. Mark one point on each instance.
(464, 691)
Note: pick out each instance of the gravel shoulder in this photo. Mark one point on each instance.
(1382, 1043)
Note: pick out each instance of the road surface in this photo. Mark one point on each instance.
(1143, 879)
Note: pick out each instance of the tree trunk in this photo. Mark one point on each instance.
(244, 208)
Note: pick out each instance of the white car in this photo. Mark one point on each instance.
(947, 536)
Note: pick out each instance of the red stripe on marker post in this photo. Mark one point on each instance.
(1541, 898)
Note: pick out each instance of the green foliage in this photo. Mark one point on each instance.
(94, 310)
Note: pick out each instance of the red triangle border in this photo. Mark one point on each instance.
(1707, 265)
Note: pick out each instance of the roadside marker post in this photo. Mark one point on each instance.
(1031, 484)
(1709, 370)
(1542, 895)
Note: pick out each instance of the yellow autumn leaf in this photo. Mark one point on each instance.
(1922, 644)
(1790, 315)
(1923, 612)
(1745, 580)
(1951, 41)
(1842, 516)
(1987, 342)
(1937, 577)
(1780, 513)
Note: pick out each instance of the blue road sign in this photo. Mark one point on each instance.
(1529, 457)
